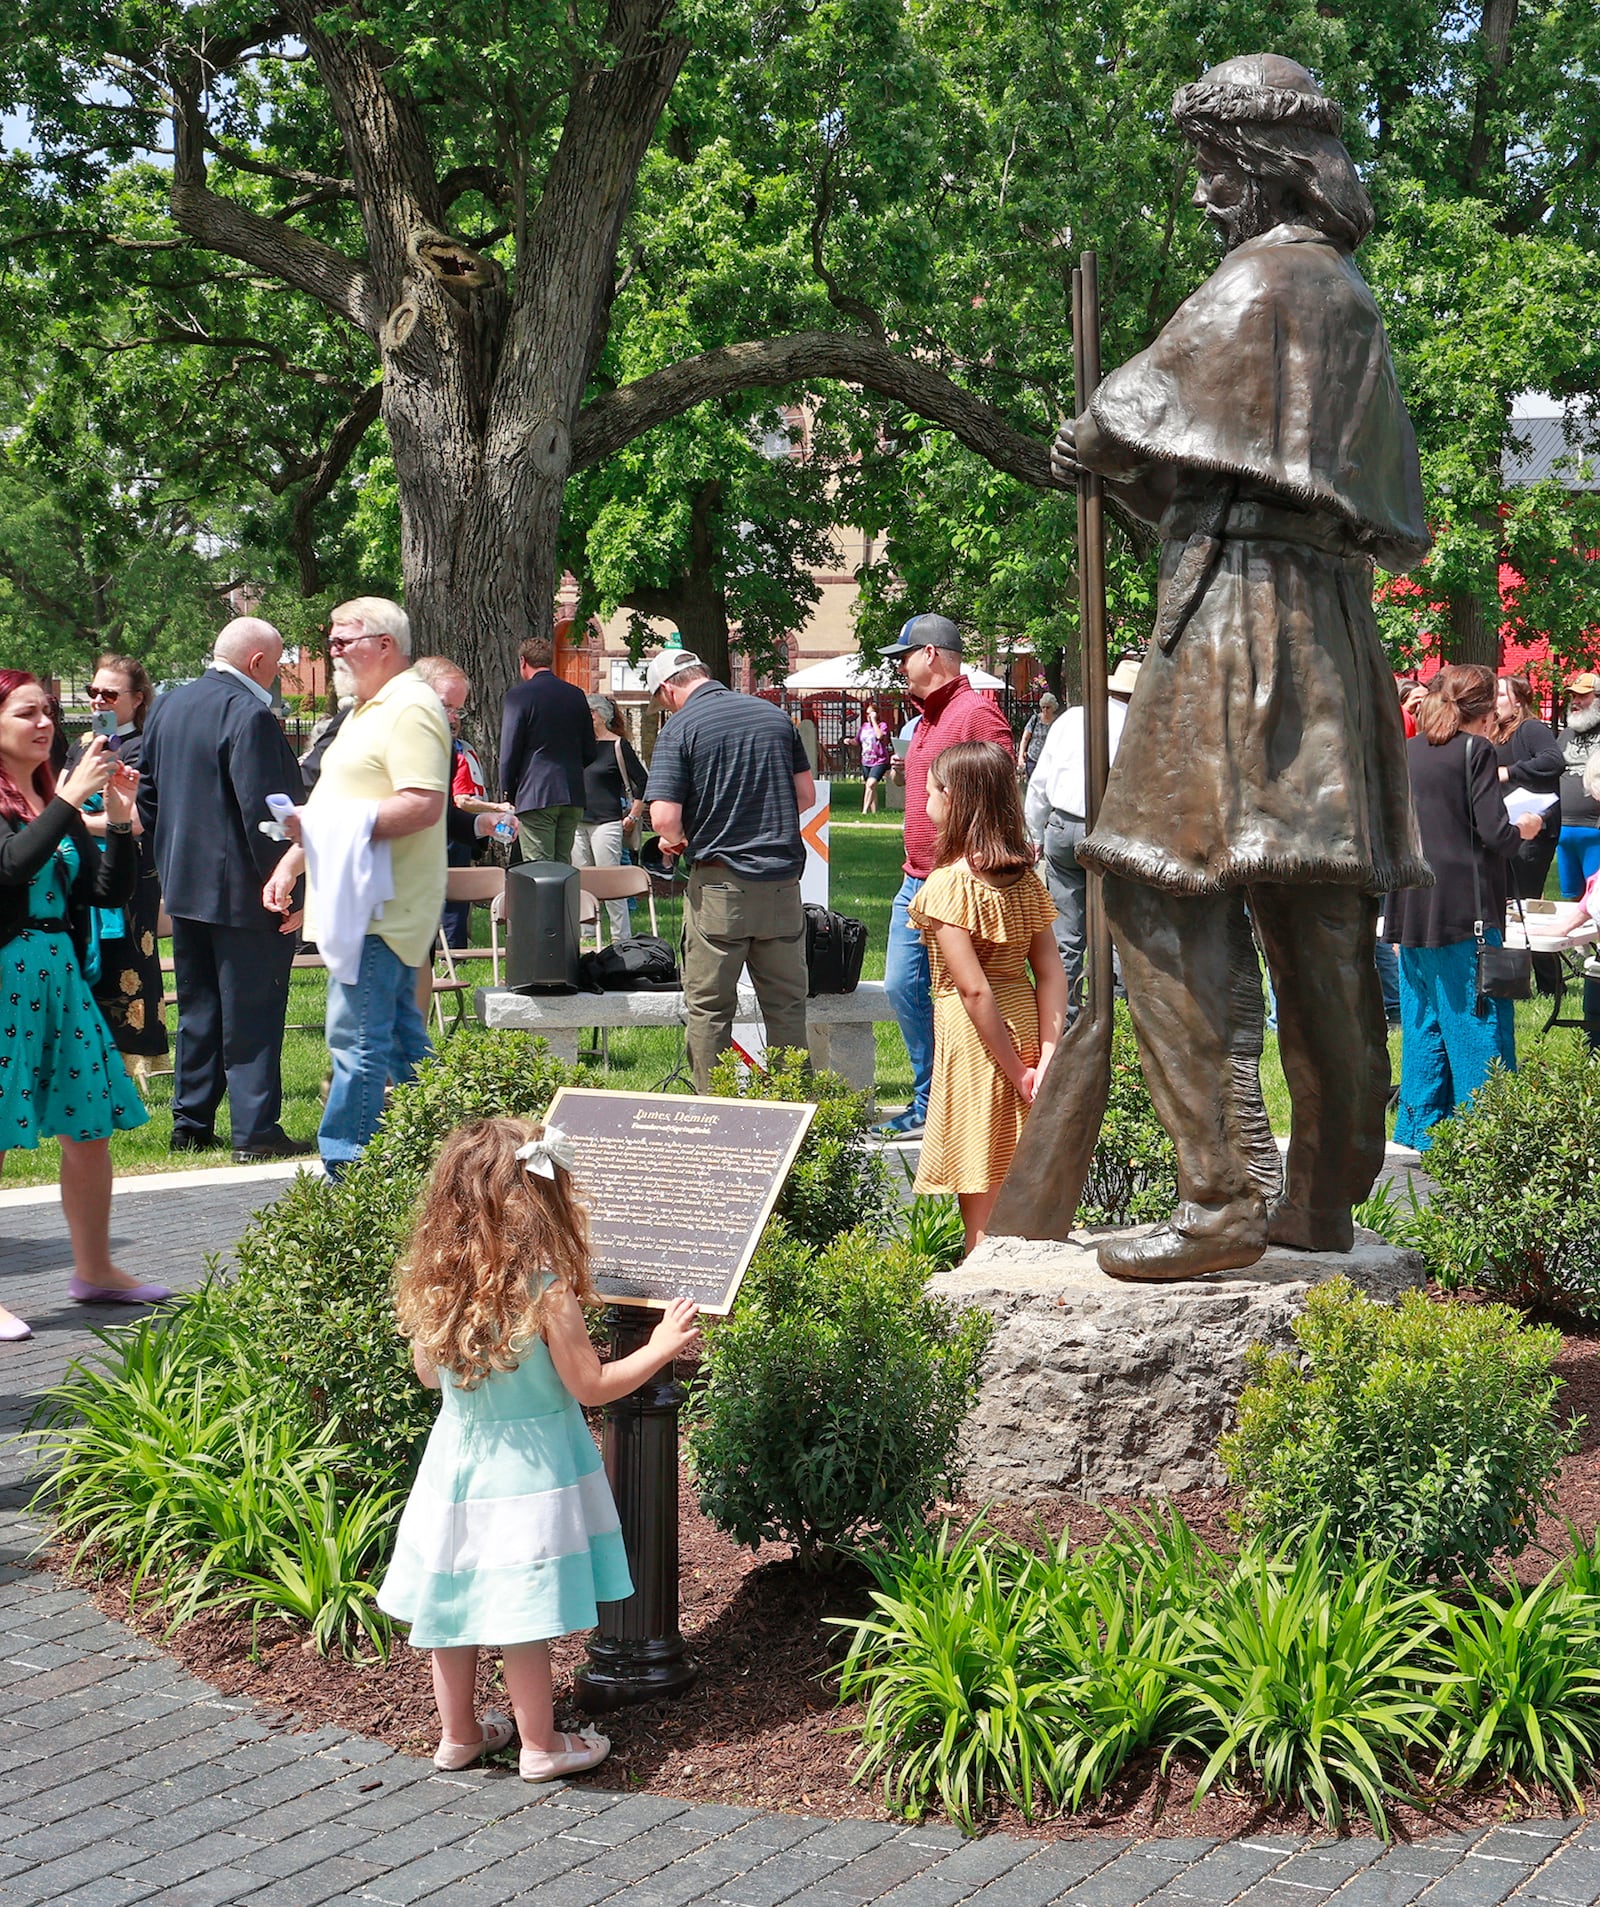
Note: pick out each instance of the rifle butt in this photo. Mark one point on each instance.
(1043, 1187)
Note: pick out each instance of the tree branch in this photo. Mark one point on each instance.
(615, 419)
(221, 225)
(330, 467)
(290, 175)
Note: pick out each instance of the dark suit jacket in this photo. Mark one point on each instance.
(546, 742)
(213, 752)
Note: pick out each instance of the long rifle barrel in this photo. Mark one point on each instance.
(1044, 1187)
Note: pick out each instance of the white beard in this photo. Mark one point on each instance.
(1584, 721)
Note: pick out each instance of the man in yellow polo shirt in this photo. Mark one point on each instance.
(392, 756)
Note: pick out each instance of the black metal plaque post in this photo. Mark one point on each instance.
(637, 1654)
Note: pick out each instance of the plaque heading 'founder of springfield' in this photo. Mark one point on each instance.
(1262, 764)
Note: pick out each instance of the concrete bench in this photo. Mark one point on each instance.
(840, 1024)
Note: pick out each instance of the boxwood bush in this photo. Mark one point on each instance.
(1426, 1432)
(830, 1401)
(1516, 1211)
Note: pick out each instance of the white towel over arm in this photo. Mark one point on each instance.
(350, 876)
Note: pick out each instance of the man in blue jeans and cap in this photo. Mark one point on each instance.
(929, 655)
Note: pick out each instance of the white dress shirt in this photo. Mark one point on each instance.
(1057, 779)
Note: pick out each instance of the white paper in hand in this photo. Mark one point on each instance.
(1523, 801)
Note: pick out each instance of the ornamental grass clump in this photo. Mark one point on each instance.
(1424, 1432)
(1516, 1207)
(995, 1671)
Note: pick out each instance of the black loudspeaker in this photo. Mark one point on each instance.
(542, 926)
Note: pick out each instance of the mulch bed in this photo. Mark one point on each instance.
(760, 1728)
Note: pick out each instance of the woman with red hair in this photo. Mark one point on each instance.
(60, 1075)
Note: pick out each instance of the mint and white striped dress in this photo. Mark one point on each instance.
(510, 1533)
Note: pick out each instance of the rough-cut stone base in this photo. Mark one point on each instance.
(1104, 1388)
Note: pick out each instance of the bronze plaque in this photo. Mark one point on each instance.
(678, 1188)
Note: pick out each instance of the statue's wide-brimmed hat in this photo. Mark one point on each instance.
(1257, 89)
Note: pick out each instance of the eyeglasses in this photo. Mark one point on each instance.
(98, 694)
(338, 644)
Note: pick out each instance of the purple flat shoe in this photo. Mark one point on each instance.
(80, 1293)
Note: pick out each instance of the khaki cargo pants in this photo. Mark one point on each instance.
(730, 924)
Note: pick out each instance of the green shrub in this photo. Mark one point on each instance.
(1517, 1206)
(1425, 1432)
(830, 1401)
(1133, 1176)
(840, 1178)
(312, 1293)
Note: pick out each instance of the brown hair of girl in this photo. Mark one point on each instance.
(467, 1290)
(1461, 693)
(983, 823)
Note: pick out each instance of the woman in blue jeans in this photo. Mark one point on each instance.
(1449, 1037)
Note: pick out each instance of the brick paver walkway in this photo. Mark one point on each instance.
(124, 1779)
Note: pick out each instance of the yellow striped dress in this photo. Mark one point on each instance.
(974, 1113)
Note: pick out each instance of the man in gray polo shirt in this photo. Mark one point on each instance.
(728, 780)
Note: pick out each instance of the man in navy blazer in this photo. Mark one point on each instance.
(213, 752)
(546, 741)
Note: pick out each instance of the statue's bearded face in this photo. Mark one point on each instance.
(1231, 198)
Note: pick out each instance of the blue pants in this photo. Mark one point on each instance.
(1446, 1046)
(909, 985)
(1577, 859)
(375, 1034)
(232, 985)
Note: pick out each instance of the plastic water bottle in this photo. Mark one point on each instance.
(505, 829)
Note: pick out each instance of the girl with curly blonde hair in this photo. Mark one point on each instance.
(510, 1535)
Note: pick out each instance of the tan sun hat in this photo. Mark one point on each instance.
(1123, 676)
(1585, 684)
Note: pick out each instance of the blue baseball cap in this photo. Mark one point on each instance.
(925, 632)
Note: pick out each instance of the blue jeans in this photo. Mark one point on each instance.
(1446, 1046)
(375, 1034)
(907, 982)
(1577, 859)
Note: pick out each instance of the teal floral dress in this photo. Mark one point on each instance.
(60, 1074)
(510, 1533)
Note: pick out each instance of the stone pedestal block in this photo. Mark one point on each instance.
(1100, 1388)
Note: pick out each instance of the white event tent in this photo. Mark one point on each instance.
(856, 677)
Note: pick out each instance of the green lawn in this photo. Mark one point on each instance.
(866, 873)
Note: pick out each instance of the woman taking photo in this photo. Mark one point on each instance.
(60, 1076)
(129, 986)
(1449, 1037)
(1529, 758)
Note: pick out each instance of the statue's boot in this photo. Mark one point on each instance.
(1304, 1229)
(1196, 1241)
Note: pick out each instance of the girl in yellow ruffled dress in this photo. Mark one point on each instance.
(986, 919)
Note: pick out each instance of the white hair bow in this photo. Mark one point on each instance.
(542, 1156)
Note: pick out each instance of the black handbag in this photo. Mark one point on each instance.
(835, 948)
(1504, 973)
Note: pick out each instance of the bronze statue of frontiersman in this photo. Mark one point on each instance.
(1262, 765)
